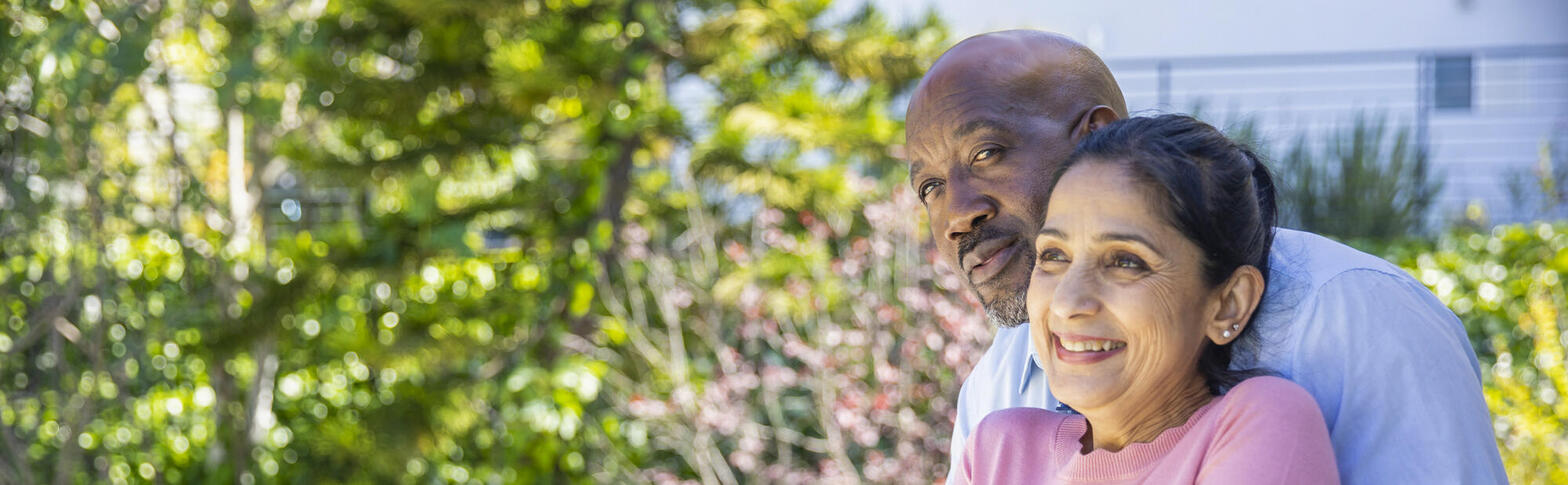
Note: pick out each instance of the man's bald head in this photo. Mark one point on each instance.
(1045, 72)
(988, 124)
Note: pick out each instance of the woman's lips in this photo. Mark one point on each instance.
(992, 265)
(1085, 357)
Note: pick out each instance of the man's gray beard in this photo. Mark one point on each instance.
(1007, 312)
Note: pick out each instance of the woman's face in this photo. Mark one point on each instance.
(1117, 298)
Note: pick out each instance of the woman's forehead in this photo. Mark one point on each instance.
(1105, 195)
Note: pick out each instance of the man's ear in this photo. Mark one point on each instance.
(1094, 119)
(1233, 304)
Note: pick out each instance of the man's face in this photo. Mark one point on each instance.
(980, 161)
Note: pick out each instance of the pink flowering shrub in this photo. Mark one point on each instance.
(799, 348)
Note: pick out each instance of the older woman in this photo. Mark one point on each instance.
(1151, 263)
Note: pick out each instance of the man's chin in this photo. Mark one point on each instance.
(1006, 317)
(1010, 309)
(1005, 296)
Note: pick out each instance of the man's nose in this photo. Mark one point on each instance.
(971, 208)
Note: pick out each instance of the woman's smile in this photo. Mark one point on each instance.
(1082, 350)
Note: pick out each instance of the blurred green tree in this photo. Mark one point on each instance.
(394, 241)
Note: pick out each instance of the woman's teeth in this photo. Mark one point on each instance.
(1092, 345)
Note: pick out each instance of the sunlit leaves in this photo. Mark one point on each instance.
(435, 209)
(1506, 286)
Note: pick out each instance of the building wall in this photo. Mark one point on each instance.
(1519, 102)
(1303, 68)
(1159, 28)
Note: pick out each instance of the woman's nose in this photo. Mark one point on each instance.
(1076, 295)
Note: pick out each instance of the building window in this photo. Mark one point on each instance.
(1453, 82)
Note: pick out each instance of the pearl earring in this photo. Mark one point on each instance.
(1226, 334)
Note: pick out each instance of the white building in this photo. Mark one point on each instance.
(1482, 83)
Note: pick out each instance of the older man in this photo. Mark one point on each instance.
(1390, 367)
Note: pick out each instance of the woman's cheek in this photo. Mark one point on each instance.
(1041, 286)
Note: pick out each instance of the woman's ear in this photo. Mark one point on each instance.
(1094, 119)
(1234, 302)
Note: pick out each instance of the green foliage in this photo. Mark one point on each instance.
(1240, 127)
(1506, 287)
(255, 242)
(1543, 189)
(388, 241)
(1364, 183)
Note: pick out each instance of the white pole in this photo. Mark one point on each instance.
(240, 205)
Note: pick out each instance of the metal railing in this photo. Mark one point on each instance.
(1517, 100)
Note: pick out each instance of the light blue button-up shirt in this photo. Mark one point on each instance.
(1389, 365)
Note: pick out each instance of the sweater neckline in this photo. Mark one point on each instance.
(1100, 465)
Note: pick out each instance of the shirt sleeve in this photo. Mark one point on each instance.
(962, 472)
(1270, 432)
(961, 427)
(1397, 382)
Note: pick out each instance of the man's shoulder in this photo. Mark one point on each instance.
(1323, 291)
(1314, 260)
(997, 380)
(1306, 269)
(999, 366)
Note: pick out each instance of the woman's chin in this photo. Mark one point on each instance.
(1082, 392)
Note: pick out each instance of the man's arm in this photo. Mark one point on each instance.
(1397, 381)
(962, 424)
(992, 385)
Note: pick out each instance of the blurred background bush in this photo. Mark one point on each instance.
(552, 241)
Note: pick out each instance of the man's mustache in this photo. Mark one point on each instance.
(972, 239)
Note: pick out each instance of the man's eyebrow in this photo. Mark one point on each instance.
(974, 125)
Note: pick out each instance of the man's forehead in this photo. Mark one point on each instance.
(947, 117)
(959, 101)
(959, 116)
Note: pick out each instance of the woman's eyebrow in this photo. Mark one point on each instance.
(1105, 237)
(1130, 238)
(1124, 237)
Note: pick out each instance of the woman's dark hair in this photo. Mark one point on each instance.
(1216, 192)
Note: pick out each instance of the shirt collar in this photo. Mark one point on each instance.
(1032, 365)
(1032, 361)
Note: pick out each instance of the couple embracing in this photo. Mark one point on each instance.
(1153, 324)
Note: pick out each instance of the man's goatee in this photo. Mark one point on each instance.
(1008, 311)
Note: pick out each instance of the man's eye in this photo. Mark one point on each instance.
(1128, 261)
(986, 154)
(927, 188)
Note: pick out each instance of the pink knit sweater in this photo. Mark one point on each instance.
(1266, 430)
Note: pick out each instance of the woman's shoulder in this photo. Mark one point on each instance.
(1014, 445)
(1269, 431)
(1013, 436)
(1270, 397)
(1003, 420)
(1014, 424)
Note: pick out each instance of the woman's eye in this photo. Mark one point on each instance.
(927, 188)
(986, 154)
(1053, 255)
(1128, 261)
